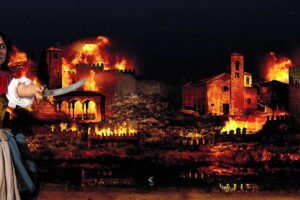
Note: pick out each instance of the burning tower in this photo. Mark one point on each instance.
(54, 63)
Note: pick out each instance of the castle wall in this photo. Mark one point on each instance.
(109, 83)
(149, 87)
(194, 97)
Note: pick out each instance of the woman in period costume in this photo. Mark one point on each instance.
(18, 176)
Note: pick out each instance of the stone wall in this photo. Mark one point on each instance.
(218, 94)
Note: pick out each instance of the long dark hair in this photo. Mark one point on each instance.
(7, 42)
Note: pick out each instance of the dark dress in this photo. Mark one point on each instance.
(25, 168)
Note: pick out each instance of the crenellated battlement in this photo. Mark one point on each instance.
(101, 67)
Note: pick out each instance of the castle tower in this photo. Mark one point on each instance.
(54, 64)
(236, 84)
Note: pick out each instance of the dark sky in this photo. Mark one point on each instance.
(172, 39)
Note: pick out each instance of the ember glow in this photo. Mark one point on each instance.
(276, 68)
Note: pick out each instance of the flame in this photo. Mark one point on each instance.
(52, 127)
(51, 99)
(90, 83)
(63, 126)
(17, 56)
(121, 65)
(252, 123)
(74, 127)
(92, 51)
(67, 70)
(80, 110)
(123, 129)
(276, 68)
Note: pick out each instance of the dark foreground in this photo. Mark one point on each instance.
(50, 192)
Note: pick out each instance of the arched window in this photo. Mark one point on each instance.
(237, 65)
(247, 81)
(78, 109)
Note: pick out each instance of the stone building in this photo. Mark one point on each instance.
(273, 94)
(224, 94)
(294, 93)
(106, 84)
(82, 105)
(54, 64)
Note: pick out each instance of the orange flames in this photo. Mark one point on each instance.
(90, 83)
(119, 130)
(22, 66)
(276, 68)
(252, 123)
(17, 56)
(123, 129)
(97, 51)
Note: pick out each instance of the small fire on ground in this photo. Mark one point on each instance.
(118, 130)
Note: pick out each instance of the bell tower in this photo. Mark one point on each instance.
(236, 84)
(54, 65)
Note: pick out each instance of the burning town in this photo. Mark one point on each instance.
(229, 131)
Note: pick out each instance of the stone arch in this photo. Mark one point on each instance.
(77, 109)
(89, 109)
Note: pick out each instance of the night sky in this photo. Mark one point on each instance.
(171, 39)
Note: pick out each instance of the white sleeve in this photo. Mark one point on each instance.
(12, 95)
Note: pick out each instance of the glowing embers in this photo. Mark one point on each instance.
(123, 129)
(276, 68)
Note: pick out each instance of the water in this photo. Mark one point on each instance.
(146, 176)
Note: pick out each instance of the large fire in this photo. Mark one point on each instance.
(22, 66)
(97, 51)
(17, 56)
(276, 68)
(252, 123)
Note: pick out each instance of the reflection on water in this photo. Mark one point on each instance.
(145, 176)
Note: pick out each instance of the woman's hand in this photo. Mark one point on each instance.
(32, 90)
(39, 92)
